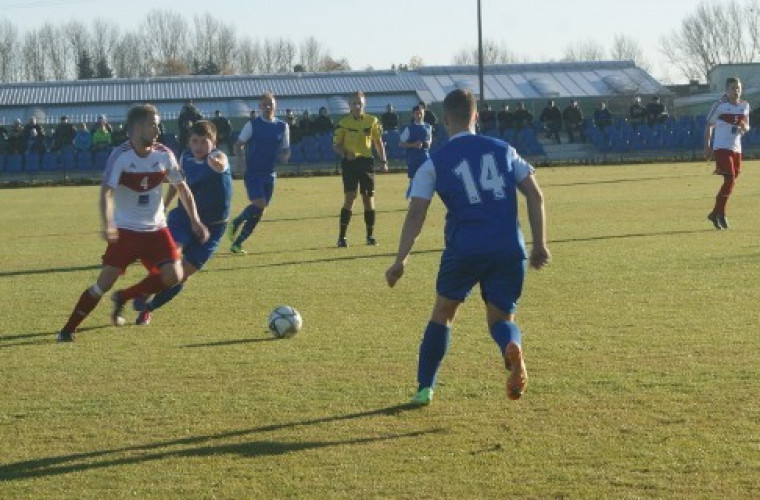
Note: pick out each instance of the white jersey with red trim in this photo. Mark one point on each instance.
(725, 117)
(136, 181)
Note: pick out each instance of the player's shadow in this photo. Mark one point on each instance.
(632, 235)
(38, 338)
(231, 342)
(199, 446)
(72, 269)
(619, 181)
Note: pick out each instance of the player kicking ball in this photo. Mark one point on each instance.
(207, 174)
(477, 178)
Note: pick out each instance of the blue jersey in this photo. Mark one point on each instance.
(476, 177)
(416, 157)
(212, 190)
(266, 142)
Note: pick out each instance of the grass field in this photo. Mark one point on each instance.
(641, 340)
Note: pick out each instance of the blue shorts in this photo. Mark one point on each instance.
(260, 187)
(500, 276)
(193, 251)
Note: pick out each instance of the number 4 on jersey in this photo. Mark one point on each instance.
(490, 179)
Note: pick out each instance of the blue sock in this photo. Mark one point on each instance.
(164, 296)
(252, 216)
(434, 344)
(504, 332)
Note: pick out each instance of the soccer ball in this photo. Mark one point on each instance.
(284, 322)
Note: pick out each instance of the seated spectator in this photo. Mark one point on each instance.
(119, 135)
(28, 128)
(101, 135)
(389, 119)
(656, 112)
(602, 116)
(306, 124)
(523, 117)
(36, 142)
(637, 114)
(101, 122)
(572, 115)
(16, 144)
(83, 139)
(323, 123)
(505, 118)
(486, 118)
(64, 134)
(551, 118)
(223, 130)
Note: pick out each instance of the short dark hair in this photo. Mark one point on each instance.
(417, 108)
(140, 113)
(459, 105)
(732, 80)
(204, 128)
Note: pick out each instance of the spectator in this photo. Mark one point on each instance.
(323, 123)
(656, 112)
(523, 117)
(486, 118)
(306, 124)
(602, 116)
(223, 130)
(3, 140)
(188, 115)
(295, 132)
(637, 114)
(64, 134)
(28, 138)
(573, 118)
(83, 139)
(101, 119)
(551, 118)
(389, 119)
(119, 135)
(253, 114)
(505, 118)
(429, 117)
(36, 142)
(101, 136)
(16, 143)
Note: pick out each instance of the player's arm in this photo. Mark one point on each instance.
(239, 146)
(415, 219)
(110, 233)
(216, 160)
(186, 196)
(539, 255)
(377, 140)
(708, 152)
(404, 141)
(338, 139)
(284, 155)
(171, 192)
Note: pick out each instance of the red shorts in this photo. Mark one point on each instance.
(154, 247)
(728, 162)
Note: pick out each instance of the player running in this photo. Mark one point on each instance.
(208, 175)
(477, 179)
(134, 225)
(266, 140)
(729, 118)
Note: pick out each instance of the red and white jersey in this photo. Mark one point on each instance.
(726, 116)
(136, 181)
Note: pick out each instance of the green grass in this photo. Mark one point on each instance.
(641, 340)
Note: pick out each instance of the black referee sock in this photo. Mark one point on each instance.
(345, 218)
(369, 220)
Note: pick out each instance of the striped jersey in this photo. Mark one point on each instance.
(725, 116)
(136, 181)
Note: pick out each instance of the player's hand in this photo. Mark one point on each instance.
(708, 153)
(394, 273)
(217, 160)
(384, 166)
(111, 234)
(201, 232)
(540, 256)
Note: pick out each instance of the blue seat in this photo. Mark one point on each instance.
(100, 158)
(68, 158)
(50, 162)
(84, 160)
(296, 155)
(31, 161)
(14, 162)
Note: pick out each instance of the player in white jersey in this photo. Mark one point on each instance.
(132, 211)
(727, 121)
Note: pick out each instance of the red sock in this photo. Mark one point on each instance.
(725, 191)
(149, 286)
(85, 305)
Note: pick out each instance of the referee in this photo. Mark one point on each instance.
(353, 139)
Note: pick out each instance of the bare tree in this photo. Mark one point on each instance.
(415, 62)
(8, 56)
(625, 48)
(286, 55)
(105, 37)
(249, 56)
(167, 34)
(311, 53)
(493, 53)
(584, 50)
(60, 58)
(330, 64)
(33, 54)
(717, 33)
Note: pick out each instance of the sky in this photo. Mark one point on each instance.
(396, 30)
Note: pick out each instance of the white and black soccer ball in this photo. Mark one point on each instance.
(284, 322)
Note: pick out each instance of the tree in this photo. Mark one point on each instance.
(34, 57)
(166, 34)
(415, 62)
(84, 66)
(311, 52)
(625, 48)
(584, 50)
(102, 70)
(718, 33)
(249, 56)
(8, 56)
(493, 53)
(330, 64)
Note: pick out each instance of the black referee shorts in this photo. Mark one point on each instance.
(359, 173)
